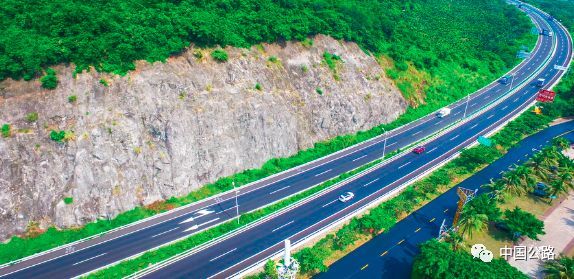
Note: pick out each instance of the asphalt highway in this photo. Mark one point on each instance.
(391, 254)
(233, 254)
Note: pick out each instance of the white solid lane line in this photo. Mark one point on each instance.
(454, 137)
(279, 189)
(404, 165)
(432, 150)
(323, 172)
(371, 182)
(223, 254)
(89, 259)
(356, 159)
(165, 232)
(329, 203)
(280, 227)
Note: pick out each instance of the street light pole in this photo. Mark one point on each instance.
(385, 142)
(466, 107)
(236, 203)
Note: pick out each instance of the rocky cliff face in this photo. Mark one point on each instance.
(166, 129)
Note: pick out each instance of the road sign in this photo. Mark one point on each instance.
(484, 141)
(545, 96)
(560, 68)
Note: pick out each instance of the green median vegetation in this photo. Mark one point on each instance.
(443, 41)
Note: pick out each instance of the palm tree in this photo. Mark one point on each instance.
(455, 240)
(561, 143)
(526, 175)
(561, 268)
(470, 223)
(558, 187)
(497, 187)
(513, 184)
(538, 167)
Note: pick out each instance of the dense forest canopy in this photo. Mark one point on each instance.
(110, 35)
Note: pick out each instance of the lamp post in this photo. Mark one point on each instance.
(384, 142)
(466, 107)
(236, 203)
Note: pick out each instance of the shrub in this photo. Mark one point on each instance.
(57, 136)
(219, 55)
(32, 117)
(49, 81)
(6, 130)
(319, 91)
(258, 86)
(72, 99)
(198, 54)
(68, 200)
(273, 59)
(104, 82)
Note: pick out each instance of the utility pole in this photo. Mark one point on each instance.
(385, 142)
(466, 107)
(236, 203)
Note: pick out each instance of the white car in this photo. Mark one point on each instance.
(346, 197)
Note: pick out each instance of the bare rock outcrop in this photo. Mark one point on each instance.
(168, 128)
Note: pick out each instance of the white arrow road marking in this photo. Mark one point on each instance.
(89, 259)
(165, 232)
(282, 226)
(187, 220)
(197, 226)
(204, 212)
(223, 254)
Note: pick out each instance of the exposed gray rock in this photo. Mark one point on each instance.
(168, 128)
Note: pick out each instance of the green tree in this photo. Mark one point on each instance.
(311, 260)
(513, 184)
(219, 55)
(270, 270)
(49, 81)
(483, 204)
(560, 268)
(522, 223)
(470, 223)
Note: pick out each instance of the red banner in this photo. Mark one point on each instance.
(545, 96)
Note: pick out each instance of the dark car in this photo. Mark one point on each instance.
(419, 150)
